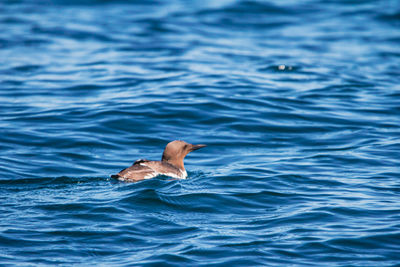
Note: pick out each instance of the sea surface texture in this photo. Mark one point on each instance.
(298, 102)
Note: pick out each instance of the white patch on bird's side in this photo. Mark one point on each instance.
(173, 175)
(149, 176)
(184, 174)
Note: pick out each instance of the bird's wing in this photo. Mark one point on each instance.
(136, 172)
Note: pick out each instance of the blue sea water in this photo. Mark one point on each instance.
(298, 102)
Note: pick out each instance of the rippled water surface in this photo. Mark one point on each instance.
(298, 102)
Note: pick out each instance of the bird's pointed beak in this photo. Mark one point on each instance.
(195, 147)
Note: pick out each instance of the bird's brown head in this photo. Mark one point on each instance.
(175, 152)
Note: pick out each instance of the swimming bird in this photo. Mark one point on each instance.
(171, 164)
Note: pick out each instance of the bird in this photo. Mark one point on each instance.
(171, 164)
